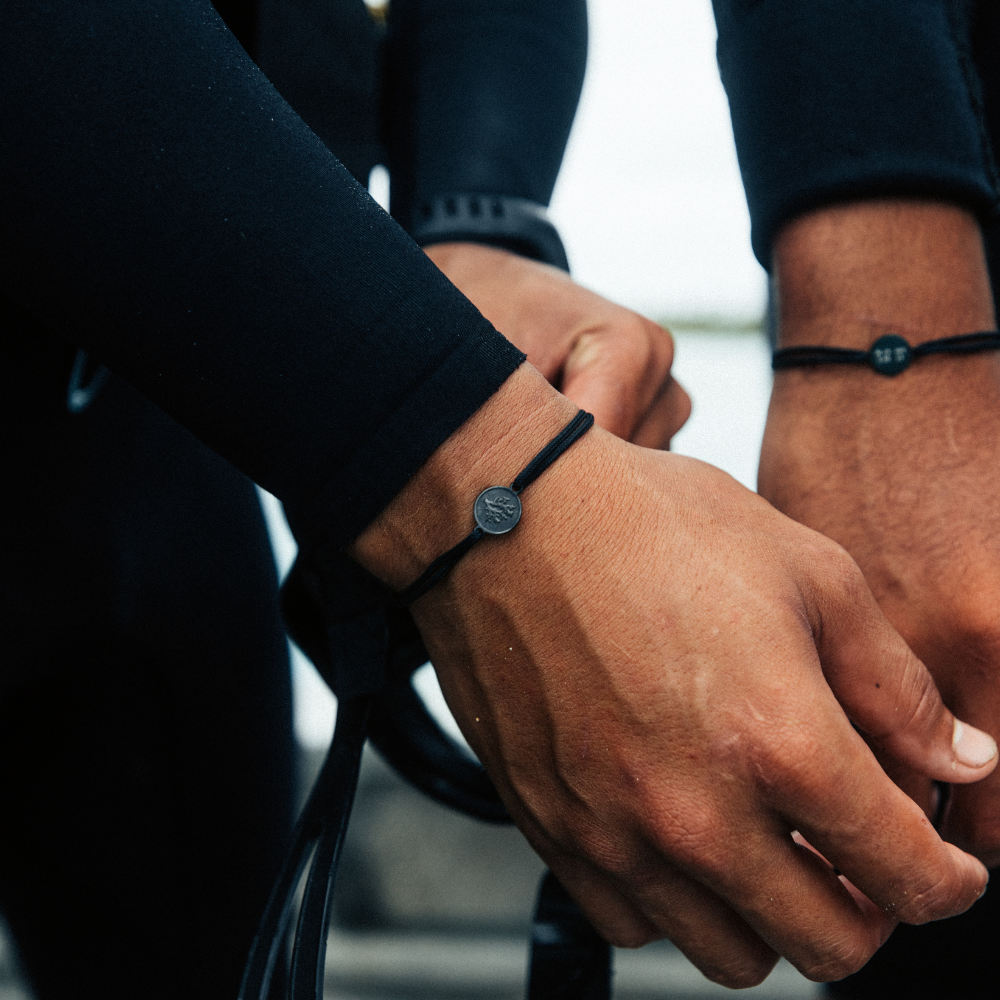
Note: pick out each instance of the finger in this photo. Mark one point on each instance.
(797, 902)
(618, 920)
(887, 691)
(846, 806)
(649, 899)
(616, 373)
(867, 907)
(926, 792)
(972, 819)
(667, 415)
(672, 905)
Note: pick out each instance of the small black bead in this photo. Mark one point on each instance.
(891, 355)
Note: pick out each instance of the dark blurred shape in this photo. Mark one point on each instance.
(146, 751)
(569, 959)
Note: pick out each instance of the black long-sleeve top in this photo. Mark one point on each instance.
(844, 99)
(164, 207)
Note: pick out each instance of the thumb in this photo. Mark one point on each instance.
(890, 695)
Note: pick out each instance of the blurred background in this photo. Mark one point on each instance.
(649, 201)
(651, 209)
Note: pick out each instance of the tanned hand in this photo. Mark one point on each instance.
(609, 360)
(904, 472)
(660, 673)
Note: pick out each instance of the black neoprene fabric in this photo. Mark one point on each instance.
(506, 133)
(326, 59)
(473, 96)
(165, 208)
(838, 99)
(146, 752)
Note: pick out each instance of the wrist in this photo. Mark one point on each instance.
(479, 271)
(848, 274)
(434, 510)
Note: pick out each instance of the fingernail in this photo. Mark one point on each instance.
(972, 747)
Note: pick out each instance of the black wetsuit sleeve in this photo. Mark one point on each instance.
(480, 96)
(165, 208)
(842, 99)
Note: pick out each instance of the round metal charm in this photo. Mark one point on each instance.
(891, 355)
(497, 510)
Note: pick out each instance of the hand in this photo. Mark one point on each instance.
(609, 360)
(903, 472)
(650, 666)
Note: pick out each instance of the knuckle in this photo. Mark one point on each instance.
(839, 959)
(740, 974)
(661, 340)
(608, 853)
(627, 937)
(940, 894)
(639, 344)
(692, 841)
(793, 761)
(841, 568)
(835, 573)
(645, 346)
(917, 706)
(922, 701)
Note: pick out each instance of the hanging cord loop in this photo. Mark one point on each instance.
(319, 831)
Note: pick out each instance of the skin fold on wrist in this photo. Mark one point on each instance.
(434, 510)
(847, 274)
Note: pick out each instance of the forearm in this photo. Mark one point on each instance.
(900, 470)
(165, 208)
(846, 274)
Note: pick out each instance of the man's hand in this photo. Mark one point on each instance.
(660, 673)
(904, 472)
(609, 360)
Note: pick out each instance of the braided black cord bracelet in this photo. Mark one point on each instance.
(497, 509)
(889, 355)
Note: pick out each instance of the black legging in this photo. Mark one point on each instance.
(146, 752)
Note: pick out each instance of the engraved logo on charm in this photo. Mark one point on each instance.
(497, 510)
(891, 355)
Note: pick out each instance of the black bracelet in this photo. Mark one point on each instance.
(497, 220)
(889, 355)
(497, 509)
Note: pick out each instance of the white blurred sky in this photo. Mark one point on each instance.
(649, 200)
